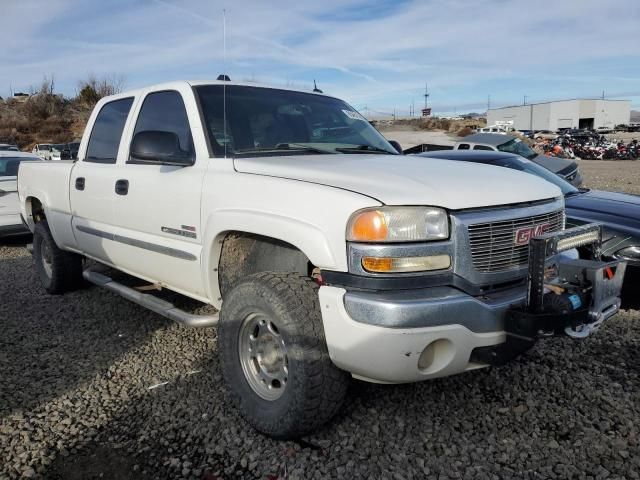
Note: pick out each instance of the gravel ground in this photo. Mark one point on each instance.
(614, 175)
(92, 386)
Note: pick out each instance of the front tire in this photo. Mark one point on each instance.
(274, 355)
(59, 271)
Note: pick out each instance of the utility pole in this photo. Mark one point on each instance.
(488, 102)
(426, 95)
(524, 100)
(603, 94)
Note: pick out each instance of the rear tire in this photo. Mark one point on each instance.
(274, 355)
(59, 271)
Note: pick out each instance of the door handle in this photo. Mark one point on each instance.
(80, 183)
(122, 187)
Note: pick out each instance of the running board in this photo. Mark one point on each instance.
(155, 304)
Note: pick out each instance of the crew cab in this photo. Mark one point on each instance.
(327, 253)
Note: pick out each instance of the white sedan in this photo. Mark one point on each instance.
(10, 221)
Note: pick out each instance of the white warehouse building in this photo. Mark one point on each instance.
(579, 113)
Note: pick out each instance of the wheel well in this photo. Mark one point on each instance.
(244, 254)
(35, 209)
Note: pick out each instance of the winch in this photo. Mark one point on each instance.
(565, 295)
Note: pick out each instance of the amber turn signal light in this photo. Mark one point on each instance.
(369, 226)
(406, 264)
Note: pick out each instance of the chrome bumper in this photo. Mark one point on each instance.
(432, 307)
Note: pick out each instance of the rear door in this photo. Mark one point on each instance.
(158, 206)
(93, 178)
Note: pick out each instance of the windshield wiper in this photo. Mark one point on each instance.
(282, 147)
(364, 149)
(300, 146)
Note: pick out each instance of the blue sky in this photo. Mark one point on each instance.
(377, 55)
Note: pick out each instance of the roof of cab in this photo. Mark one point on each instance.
(196, 83)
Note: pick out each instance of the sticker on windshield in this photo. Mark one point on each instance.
(354, 115)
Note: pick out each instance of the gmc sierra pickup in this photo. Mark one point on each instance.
(327, 254)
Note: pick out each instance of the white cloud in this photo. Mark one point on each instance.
(456, 45)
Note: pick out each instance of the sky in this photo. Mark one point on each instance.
(377, 55)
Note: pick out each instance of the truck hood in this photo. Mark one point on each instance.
(408, 180)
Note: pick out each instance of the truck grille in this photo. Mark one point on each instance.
(493, 245)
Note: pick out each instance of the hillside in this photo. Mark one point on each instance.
(46, 117)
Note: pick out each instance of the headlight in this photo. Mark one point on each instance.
(398, 224)
(629, 253)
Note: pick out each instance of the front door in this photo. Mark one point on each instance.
(157, 207)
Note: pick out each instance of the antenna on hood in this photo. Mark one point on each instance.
(315, 87)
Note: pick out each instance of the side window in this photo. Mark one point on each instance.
(107, 131)
(482, 147)
(165, 112)
(463, 146)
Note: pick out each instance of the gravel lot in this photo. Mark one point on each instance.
(77, 400)
(617, 176)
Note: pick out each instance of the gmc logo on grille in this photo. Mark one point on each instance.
(523, 235)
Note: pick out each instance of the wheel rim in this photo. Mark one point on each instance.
(45, 256)
(263, 356)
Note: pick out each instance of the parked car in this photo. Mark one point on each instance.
(73, 150)
(329, 254)
(603, 130)
(567, 169)
(493, 129)
(42, 150)
(8, 147)
(10, 221)
(544, 135)
(618, 213)
(526, 133)
(59, 151)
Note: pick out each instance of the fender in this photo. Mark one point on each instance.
(306, 237)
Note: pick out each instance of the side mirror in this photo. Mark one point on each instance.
(157, 147)
(395, 145)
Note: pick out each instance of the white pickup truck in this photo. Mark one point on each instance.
(327, 253)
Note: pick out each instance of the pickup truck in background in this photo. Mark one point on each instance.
(327, 253)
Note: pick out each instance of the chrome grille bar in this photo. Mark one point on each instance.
(493, 244)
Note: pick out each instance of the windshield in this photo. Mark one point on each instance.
(58, 146)
(9, 165)
(263, 122)
(518, 147)
(530, 167)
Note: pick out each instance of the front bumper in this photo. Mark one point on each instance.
(412, 335)
(402, 354)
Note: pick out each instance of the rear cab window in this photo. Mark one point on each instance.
(463, 146)
(106, 134)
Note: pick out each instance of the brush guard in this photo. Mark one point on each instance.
(564, 295)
